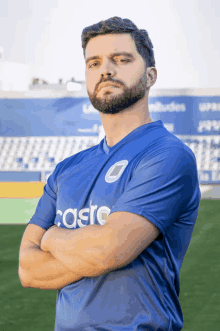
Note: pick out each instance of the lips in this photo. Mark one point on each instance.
(106, 84)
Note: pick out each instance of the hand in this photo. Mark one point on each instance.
(47, 238)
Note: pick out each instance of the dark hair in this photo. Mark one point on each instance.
(117, 25)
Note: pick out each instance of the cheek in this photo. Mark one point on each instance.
(91, 82)
(136, 75)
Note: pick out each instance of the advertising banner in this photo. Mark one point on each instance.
(208, 115)
(187, 115)
(195, 117)
(48, 117)
(175, 112)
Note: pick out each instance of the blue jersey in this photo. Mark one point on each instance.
(150, 172)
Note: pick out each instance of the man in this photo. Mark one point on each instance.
(115, 221)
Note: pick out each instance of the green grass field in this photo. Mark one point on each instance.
(34, 310)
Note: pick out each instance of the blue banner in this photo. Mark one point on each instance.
(181, 115)
(187, 115)
(208, 115)
(174, 112)
(48, 117)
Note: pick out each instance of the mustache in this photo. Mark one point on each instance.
(117, 82)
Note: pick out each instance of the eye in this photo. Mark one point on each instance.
(93, 65)
(122, 60)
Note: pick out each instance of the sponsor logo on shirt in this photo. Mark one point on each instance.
(72, 218)
(115, 171)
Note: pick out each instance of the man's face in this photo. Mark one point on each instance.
(114, 59)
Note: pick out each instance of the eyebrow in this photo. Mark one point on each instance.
(96, 57)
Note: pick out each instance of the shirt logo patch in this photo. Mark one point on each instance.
(74, 218)
(115, 171)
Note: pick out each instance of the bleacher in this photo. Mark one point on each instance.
(40, 153)
(38, 131)
(206, 150)
(43, 153)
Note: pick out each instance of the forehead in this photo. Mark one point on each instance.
(110, 43)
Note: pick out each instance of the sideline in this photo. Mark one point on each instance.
(210, 191)
(28, 190)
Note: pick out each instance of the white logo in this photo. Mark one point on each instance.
(171, 107)
(115, 171)
(75, 218)
(209, 125)
(206, 106)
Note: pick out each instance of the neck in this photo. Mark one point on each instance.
(119, 125)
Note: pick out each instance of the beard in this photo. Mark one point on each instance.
(110, 104)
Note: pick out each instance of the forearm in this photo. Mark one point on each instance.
(40, 270)
(81, 250)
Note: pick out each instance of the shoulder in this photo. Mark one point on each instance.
(166, 151)
(174, 145)
(71, 161)
(180, 150)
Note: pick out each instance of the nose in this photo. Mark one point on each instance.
(107, 74)
(107, 69)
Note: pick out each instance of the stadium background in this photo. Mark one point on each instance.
(49, 122)
(38, 130)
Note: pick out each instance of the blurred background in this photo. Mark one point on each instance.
(46, 115)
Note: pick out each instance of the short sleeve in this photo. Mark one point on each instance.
(45, 212)
(162, 188)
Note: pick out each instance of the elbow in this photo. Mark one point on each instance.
(24, 277)
(27, 281)
(113, 261)
(25, 285)
(105, 264)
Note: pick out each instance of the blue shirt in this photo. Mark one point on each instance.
(150, 172)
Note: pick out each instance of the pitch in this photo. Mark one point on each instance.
(25, 309)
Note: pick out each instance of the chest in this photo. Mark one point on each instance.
(88, 191)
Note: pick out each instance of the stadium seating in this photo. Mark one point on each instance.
(39, 153)
(206, 150)
(43, 153)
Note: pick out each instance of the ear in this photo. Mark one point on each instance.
(151, 76)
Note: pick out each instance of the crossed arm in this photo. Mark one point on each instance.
(82, 250)
(89, 251)
(39, 269)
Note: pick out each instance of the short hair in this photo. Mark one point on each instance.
(117, 25)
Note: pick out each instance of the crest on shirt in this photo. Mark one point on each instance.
(115, 171)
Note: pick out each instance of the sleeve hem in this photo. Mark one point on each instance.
(41, 223)
(149, 217)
